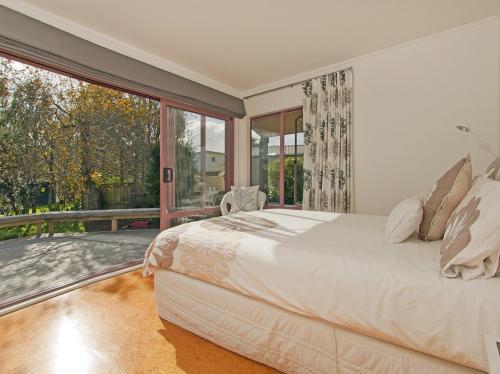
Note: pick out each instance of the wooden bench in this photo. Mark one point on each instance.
(51, 218)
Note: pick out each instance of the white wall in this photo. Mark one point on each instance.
(241, 152)
(498, 99)
(407, 102)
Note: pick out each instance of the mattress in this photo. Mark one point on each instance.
(336, 268)
(281, 339)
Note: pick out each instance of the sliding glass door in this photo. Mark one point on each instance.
(196, 163)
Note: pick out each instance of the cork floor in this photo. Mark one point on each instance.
(108, 327)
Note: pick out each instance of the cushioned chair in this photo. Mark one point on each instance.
(229, 199)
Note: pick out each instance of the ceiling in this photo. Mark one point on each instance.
(237, 45)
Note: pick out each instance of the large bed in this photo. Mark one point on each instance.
(320, 292)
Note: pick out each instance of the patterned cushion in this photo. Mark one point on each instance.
(443, 198)
(471, 245)
(245, 198)
(403, 220)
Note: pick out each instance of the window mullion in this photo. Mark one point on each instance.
(295, 166)
(282, 159)
(203, 159)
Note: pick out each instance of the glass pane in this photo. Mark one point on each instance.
(215, 161)
(188, 181)
(266, 156)
(294, 157)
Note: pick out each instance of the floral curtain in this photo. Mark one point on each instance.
(328, 142)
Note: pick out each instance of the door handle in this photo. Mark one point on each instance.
(168, 175)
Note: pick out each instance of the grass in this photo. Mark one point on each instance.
(30, 230)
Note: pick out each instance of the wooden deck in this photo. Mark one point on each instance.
(31, 266)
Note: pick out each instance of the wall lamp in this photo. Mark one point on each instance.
(484, 146)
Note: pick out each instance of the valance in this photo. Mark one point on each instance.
(27, 38)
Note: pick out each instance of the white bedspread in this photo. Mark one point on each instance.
(337, 268)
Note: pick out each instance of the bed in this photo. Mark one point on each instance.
(320, 292)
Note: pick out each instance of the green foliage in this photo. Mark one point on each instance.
(30, 230)
(273, 189)
(290, 176)
(152, 184)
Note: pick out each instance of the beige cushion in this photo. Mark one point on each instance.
(471, 245)
(443, 198)
(494, 169)
(403, 220)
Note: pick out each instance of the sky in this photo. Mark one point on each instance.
(215, 132)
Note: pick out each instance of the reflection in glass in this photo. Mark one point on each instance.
(187, 175)
(294, 157)
(200, 159)
(266, 156)
(215, 161)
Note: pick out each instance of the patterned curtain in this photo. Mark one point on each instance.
(328, 142)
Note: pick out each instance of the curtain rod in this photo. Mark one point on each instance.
(290, 85)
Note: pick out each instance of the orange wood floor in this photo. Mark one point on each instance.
(108, 327)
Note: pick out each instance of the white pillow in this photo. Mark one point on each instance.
(404, 220)
(245, 198)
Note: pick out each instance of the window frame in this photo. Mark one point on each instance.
(281, 113)
(167, 190)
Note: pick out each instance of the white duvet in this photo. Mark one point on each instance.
(337, 268)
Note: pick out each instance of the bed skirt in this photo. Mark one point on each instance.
(281, 339)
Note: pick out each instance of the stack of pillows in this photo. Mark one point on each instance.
(464, 212)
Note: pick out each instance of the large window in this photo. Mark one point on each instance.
(277, 156)
(77, 161)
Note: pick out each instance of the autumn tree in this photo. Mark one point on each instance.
(26, 138)
(71, 136)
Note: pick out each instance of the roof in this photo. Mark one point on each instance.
(274, 150)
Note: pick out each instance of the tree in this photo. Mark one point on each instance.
(152, 184)
(26, 120)
(73, 136)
